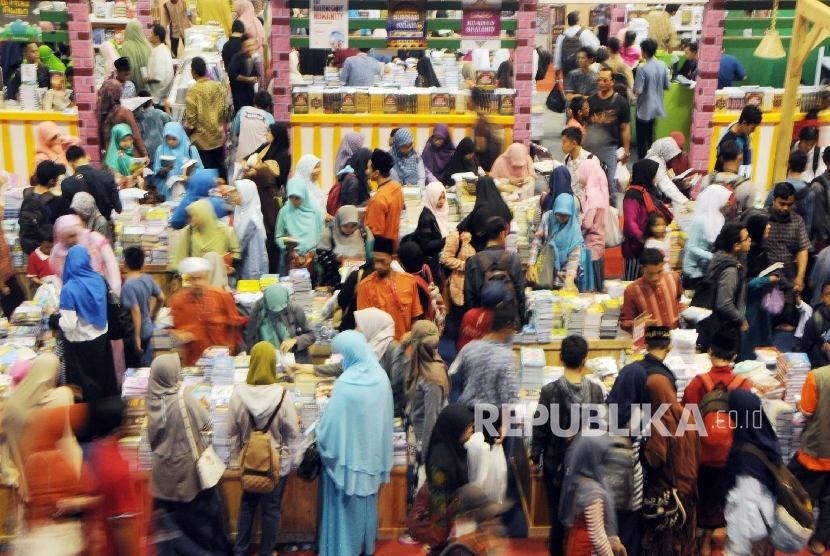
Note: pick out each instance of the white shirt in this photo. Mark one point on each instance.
(77, 329)
(587, 38)
(160, 67)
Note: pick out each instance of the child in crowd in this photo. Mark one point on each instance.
(39, 265)
(136, 292)
(656, 237)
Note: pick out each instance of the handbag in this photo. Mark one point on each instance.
(119, 320)
(556, 100)
(544, 267)
(773, 302)
(613, 233)
(665, 512)
(309, 469)
(209, 465)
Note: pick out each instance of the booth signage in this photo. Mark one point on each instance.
(407, 24)
(329, 24)
(481, 28)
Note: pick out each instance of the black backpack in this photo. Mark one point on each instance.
(34, 213)
(570, 49)
(499, 271)
(706, 296)
(545, 60)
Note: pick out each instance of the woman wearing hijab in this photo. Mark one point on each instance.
(110, 52)
(759, 332)
(671, 462)
(514, 164)
(174, 477)
(572, 265)
(199, 184)
(489, 202)
(350, 144)
(749, 488)
(48, 58)
(585, 505)
(354, 189)
(250, 231)
(308, 170)
(707, 222)
(468, 76)
(560, 182)
(69, 231)
(234, 43)
(354, 437)
(215, 10)
(426, 75)
(278, 320)
(205, 234)
(457, 249)
(109, 113)
(595, 205)
(438, 151)
(462, 161)
(446, 467)
(628, 395)
(83, 321)
(246, 13)
(218, 277)
(137, 49)
(409, 166)
(433, 227)
(663, 151)
(346, 238)
(37, 390)
(51, 144)
(119, 159)
(301, 220)
(639, 201)
(83, 204)
(254, 404)
(681, 162)
(176, 144)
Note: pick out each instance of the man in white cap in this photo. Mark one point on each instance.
(203, 315)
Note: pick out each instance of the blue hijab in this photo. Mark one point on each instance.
(84, 290)
(629, 390)
(354, 435)
(304, 222)
(560, 182)
(405, 165)
(564, 237)
(198, 186)
(184, 151)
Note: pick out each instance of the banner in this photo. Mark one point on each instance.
(481, 28)
(329, 24)
(407, 24)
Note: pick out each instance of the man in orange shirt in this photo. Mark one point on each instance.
(383, 213)
(812, 465)
(393, 292)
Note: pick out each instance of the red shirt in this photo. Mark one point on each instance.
(695, 390)
(39, 267)
(115, 485)
(476, 324)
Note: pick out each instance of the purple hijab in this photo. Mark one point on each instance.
(435, 159)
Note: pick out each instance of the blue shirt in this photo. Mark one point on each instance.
(730, 69)
(360, 71)
(651, 80)
(138, 291)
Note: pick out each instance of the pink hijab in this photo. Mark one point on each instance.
(93, 241)
(514, 163)
(595, 181)
(246, 13)
(44, 134)
(19, 369)
(433, 193)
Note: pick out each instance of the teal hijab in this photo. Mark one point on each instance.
(564, 237)
(120, 159)
(304, 222)
(274, 302)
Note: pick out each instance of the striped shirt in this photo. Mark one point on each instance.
(662, 301)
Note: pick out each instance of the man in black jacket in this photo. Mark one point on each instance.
(98, 183)
(658, 346)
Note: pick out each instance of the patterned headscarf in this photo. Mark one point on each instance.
(349, 145)
(405, 165)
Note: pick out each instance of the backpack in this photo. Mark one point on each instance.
(793, 523)
(545, 60)
(34, 213)
(570, 48)
(731, 213)
(718, 423)
(259, 464)
(618, 472)
(498, 272)
(333, 200)
(706, 295)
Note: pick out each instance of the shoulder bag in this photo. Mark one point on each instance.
(119, 320)
(208, 463)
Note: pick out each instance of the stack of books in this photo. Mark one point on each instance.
(683, 343)
(543, 314)
(303, 294)
(593, 320)
(399, 443)
(27, 312)
(219, 400)
(533, 368)
(792, 370)
(609, 324)
(576, 320)
(413, 203)
(784, 417)
(135, 383)
(521, 213)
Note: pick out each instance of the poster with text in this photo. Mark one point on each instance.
(329, 24)
(481, 28)
(13, 10)
(407, 26)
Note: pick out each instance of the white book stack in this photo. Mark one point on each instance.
(303, 293)
(683, 343)
(543, 315)
(29, 97)
(533, 368)
(451, 72)
(576, 320)
(610, 323)
(520, 218)
(413, 203)
(792, 370)
(454, 215)
(788, 425)
(331, 76)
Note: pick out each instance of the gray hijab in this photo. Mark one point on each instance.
(584, 461)
(347, 214)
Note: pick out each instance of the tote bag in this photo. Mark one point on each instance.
(209, 465)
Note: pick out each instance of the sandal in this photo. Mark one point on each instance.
(817, 548)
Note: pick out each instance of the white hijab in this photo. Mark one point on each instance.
(250, 210)
(303, 170)
(378, 328)
(708, 208)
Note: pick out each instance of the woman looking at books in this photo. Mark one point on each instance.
(346, 239)
(299, 226)
(205, 234)
(278, 320)
(171, 156)
(110, 113)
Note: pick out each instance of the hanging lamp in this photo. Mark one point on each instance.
(771, 46)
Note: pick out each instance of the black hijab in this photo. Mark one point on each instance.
(643, 174)
(487, 194)
(757, 259)
(445, 450)
(280, 144)
(359, 161)
(560, 182)
(458, 164)
(629, 390)
(426, 74)
(747, 409)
